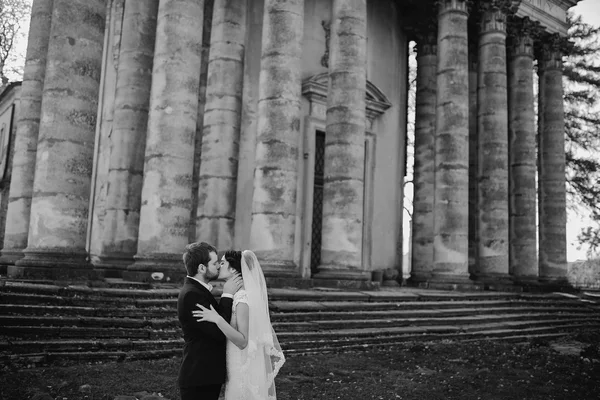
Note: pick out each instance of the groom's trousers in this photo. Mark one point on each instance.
(206, 392)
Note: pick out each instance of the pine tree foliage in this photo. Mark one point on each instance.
(582, 126)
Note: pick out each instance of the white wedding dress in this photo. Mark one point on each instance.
(251, 372)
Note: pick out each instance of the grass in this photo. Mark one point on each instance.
(436, 370)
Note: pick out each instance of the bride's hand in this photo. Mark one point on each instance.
(205, 314)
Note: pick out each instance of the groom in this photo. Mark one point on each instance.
(202, 371)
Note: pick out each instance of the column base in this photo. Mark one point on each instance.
(498, 282)
(390, 277)
(556, 284)
(10, 256)
(530, 284)
(112, 266)
(418, 278)
(526, 280)
(280, 269)
(53, 265)
(444, 281)
(156, 268)
(344, 277)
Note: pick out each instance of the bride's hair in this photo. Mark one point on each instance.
(234, 258)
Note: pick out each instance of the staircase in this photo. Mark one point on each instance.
(45, 323)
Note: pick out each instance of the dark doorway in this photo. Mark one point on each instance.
(317, 209)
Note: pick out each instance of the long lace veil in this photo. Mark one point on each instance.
(263, 357)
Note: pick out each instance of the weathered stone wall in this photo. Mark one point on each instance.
(387, 63)
(10, 98)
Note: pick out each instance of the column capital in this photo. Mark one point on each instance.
(549, 52)
(521, 36)
(426, 38)
(454, 5)
(523, 26)
(493, 16)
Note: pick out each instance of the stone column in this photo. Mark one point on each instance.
(128, 138)
(452, 145)
(522, 154)
(424, 171)
(222, 115)
(278, 133)
(26, 138)
(473, 153)
(343, 183)
(64, 157)
(169, 156)
(551, 164)
(206, 30)
(492, 122)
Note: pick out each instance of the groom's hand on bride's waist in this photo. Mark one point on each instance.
(232, 285)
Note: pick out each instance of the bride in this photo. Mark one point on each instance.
(254, 356)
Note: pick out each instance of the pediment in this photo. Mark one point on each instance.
(315, 90)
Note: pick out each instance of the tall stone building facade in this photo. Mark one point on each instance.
(280, 126)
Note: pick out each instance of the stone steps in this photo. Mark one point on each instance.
(20, 327)
(133, 350)
(42, 323)
(510, 335)
(66, 332)
(79, 345)
(400, 322)
(299, 313)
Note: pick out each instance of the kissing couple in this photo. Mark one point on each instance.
(231, 341)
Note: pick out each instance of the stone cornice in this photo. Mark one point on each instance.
(315, 90)
(552, 14)
(504, 5)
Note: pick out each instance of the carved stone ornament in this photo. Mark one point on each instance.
(315, 90)
(521, 36)
(327, 28)
(493, 17)
(550, 51)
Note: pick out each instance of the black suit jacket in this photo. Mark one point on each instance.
(203, 360)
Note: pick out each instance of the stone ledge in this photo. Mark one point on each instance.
(53, 273)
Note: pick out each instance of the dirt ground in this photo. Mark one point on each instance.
(567, 368)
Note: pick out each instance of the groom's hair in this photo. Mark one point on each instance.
(195, 254)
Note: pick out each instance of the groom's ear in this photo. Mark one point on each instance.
(201, 268)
